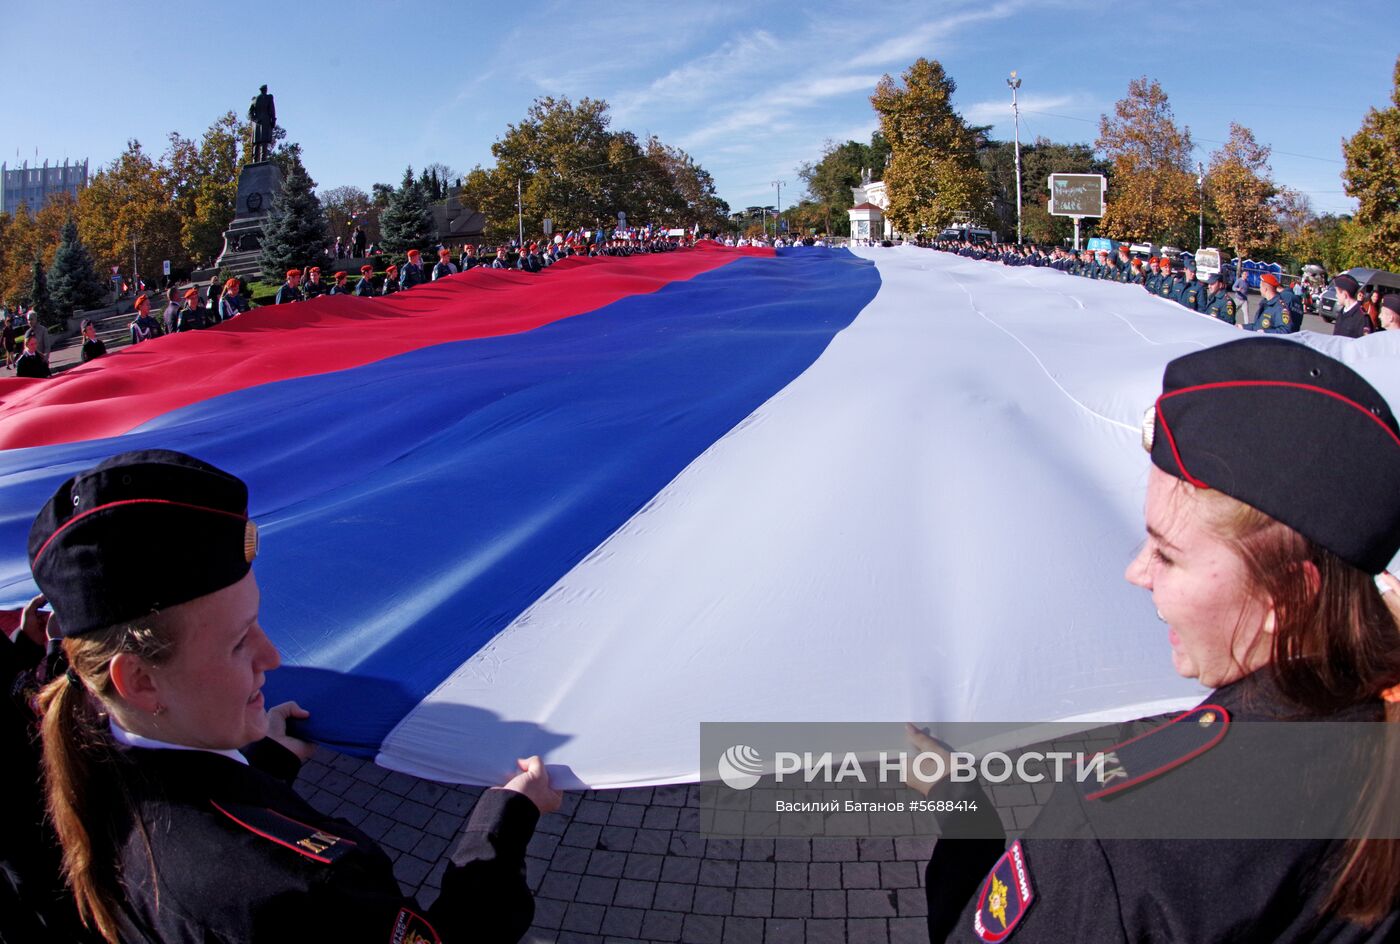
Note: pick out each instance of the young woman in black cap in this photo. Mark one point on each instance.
(169, 782)
(1272, 583)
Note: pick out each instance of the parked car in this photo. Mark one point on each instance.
(1369, 280)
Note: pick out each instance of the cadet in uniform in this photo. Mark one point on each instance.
(1193, 292)
(170, 784)
(1271, 582)
(290, 290)
(444, 266)
(1154, 279)
(313, 286)
(1219, 302)
(365, 287)
(191, 316)
(1168, 286)
(342, 285)
(1352, 321)
(1274, 316)
(391, 280)
(412, 270)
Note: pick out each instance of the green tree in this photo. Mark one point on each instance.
(830, 180)
(203, 180)
(295, 235)
(1240, 188)
(1152, 193)
(406, 223)
(73, 283)
(1372, 177)
(126, 210)
(1039, 159)
(345, 207)
(933, 177)
(37, 297)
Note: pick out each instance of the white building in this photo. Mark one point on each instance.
(868, 215)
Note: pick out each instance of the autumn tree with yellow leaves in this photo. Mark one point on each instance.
(1152, 193)
(1372, 177)
(933, 178)
(1238, 183)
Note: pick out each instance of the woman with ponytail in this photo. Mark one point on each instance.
(168, 782)
(1232, 821)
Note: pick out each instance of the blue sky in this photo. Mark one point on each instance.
(750, 89)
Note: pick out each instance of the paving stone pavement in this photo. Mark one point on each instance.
(630, 865)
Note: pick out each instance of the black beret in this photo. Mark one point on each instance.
(1278, 426)
(1345, 283)
(1392, 302)
(140, 532)
(1216, 277)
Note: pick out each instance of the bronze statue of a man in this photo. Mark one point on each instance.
(263, 115)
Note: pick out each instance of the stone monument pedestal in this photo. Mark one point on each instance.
(258, 184)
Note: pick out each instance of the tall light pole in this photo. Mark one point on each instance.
(1201, 218)
(778, 215)
(1015, 83)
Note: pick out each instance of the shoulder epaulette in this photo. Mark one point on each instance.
(313, 843)
(1187, 736)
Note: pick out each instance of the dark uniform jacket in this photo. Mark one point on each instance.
(189, 319)
(364, 288)
(1221, 305)
(31, 365)
(410, 275)
(1092, 888)
(390, 286)
(1274, 316)
(310, 289)
(237, 855)
(1193, 295)
(287, 293)
(91, 349)
(1352, 323)
(35, 905)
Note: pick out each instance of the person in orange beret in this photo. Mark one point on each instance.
(341, 286)
(391, 280)
(144, 327)
(231, 300)
(291, 289)
(191, 315)
(365, 287)
(412, 271)
(313, 285)
(444, 266)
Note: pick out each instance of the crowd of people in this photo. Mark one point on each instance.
(1218, 294)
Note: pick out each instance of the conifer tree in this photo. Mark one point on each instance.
(73, 283)
(38, 297)
(295, 235)
(406, 223)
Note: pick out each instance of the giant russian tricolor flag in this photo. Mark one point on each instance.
(578, 513)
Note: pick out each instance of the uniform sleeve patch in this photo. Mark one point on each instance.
(1006, 896)
(412, 928)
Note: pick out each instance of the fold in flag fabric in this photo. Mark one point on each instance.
(576, 514)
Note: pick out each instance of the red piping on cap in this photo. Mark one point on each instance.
(130, 501)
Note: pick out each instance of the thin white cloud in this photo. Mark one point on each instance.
(699, 79)
(996, 111)
(769, 110)
(911, 43)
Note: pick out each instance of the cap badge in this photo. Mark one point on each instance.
(250, 540)
(1149, 428)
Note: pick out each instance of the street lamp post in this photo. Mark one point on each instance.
(778, 214)
(1201, 213)
(1015, 83)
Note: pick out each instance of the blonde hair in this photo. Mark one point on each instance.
(81, 765)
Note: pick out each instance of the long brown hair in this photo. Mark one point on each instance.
(1336, 644)
(84, 785)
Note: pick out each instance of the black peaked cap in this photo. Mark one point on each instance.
(139, 532)
(1290, 431)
